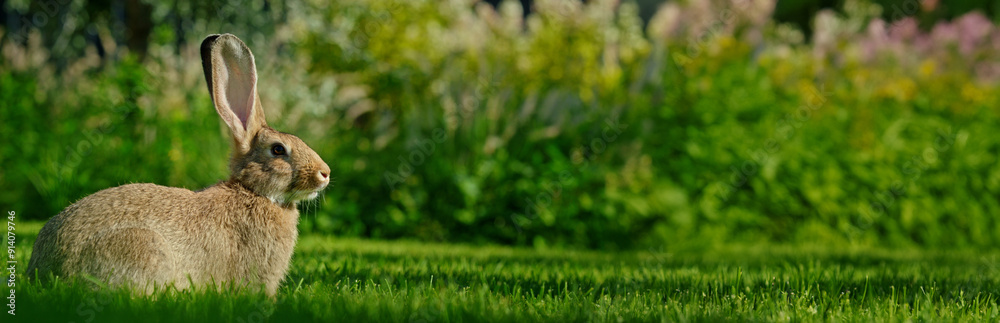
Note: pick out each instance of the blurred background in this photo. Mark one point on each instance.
(559, 123)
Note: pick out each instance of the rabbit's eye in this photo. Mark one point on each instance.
(278, 149)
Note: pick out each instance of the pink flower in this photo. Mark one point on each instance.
(972, 28)
(904, 29)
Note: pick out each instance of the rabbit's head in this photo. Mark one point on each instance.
(273, 164)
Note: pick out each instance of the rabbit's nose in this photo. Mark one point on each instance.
(323, 174)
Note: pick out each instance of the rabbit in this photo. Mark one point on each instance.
(239, 231)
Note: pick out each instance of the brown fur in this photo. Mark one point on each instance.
(240, 231)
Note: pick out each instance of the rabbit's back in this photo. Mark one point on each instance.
(115, 223)
(150, 234)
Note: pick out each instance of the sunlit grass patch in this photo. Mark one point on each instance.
(362, 280)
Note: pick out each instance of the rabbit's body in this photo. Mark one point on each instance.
(241, 231)
(114, 234)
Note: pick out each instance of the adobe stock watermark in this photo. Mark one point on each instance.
(988, 266)
(49, 10)
(697, 45)
(613, 128)
(786, 129)
(913, 168)
(90, 307)
(374, 23)
(424, 148)
(907, 8)
(425, 314)
(416, 157)
(11, 263)
(262, 312)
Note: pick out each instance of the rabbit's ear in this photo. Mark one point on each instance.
(232, 80)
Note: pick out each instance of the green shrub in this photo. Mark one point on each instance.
(570, 127)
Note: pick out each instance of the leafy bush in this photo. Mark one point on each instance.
(572, 126)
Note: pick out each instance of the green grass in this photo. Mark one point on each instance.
(360, 280)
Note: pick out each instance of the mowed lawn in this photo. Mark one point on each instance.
(334, 279)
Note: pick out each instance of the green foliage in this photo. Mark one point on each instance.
(569, 127)
(335, 279)
(68, 140)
